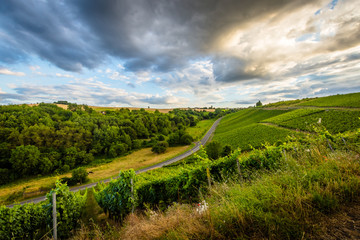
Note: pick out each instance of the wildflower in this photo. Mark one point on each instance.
(202, 207)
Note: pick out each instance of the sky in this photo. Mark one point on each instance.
(177, 53)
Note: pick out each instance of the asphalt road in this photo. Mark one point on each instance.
(159, 165)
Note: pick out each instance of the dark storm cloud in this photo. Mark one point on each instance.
(232, 69)
(148, 35)
(46, 29)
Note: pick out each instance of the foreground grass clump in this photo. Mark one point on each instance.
(285, 205)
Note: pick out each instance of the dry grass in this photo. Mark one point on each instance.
(136, 160)
(179, 222)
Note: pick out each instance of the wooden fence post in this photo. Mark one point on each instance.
(284, 154)
(132, 193)
(54, 216)
(330, 145)
(208, 176)
(239, 170)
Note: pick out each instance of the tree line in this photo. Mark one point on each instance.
(47, 139)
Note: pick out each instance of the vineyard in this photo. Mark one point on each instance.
(30, 221)
(351, 100)
(242, 129)
(253, 136)
(292, 115)
(335, 121)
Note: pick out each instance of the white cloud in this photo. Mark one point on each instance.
(64, 75)
(34, 68)
(5, 71)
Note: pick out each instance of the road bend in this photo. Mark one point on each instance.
(196, 148)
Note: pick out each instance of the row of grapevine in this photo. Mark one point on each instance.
(253, 136)
(178, 184)
(351, 100)
(292, 115)
(335, 121)
(30, 221)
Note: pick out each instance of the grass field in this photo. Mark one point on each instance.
(200, 129)
(136, 160)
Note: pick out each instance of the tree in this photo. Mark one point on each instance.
(213, 149)
(258, 104)
(226, 151)
(160, 147)
(79, 175)
(186, 139)
(25, 159)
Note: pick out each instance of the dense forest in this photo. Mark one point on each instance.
(47, 139)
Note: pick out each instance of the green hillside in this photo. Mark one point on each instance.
(255, 126)
(335, 121)
(243, 129)
(351, 100)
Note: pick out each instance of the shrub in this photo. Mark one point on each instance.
(160, 147)
(80, 175)
(213, 149)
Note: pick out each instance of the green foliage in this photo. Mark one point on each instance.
(226, 151)
(179, 137)
(213, 149)
(287, 203)
(31, 221)
(25, 159)
(259, 104)
(46, 138)
(80, 175)
(116, 198)
(69, 207)
(22, 221)
(160, 147)
(180, 183)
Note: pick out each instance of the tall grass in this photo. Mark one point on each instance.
(307, 183)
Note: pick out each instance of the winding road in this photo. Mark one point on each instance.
(159, 165)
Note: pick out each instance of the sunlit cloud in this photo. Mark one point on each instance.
(5, 71)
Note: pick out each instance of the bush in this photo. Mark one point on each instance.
(226, 151)
(80, 175)
(213, 149)
(160, 147)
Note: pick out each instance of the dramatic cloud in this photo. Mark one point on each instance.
(199, 50)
